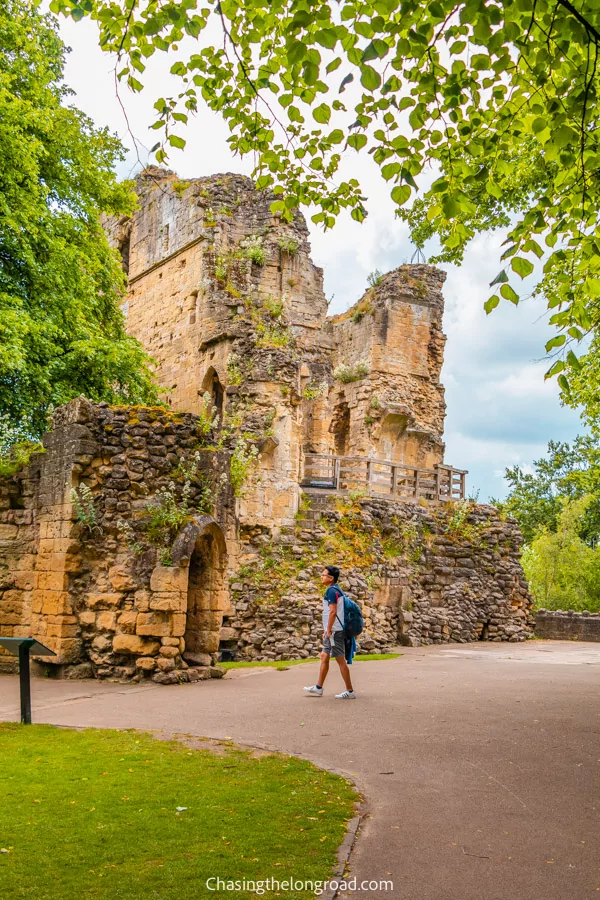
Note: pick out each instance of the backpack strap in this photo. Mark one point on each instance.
(343, 596)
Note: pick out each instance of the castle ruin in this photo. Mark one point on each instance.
(310, 437)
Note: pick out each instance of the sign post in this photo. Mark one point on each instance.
(22, 647)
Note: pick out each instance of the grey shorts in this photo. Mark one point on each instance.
(335, 646)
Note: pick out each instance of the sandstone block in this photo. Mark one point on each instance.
(134, 645)
(146, 663)
(8, 532)
(171, 641)
(106, 621)
(87, 618)
(127, 621)
(165, 665)
(121, 579)
(155, 624)
(169, 578)
(169, 652)
(169, 602)
(104, 599)
(178, 623)
(141, 600)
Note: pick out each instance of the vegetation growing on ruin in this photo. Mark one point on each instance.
(180, 187)
(313, 391)
(234, 372)
(242, 462)
(374, 278)
(287, 244)
(254, 250)
(13, 457)
(346, 374)
(131, 808)
(84, 507)
(171, 507)
(273, 335)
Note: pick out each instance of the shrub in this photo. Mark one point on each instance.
(272, 335)
(313, 390)
(234, 373)
(374, 278)
(243, 459)
(254, 250)
(85, 510)
(288, 244)
(208, 416)
(346, 374)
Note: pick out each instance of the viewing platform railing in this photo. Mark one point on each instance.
(383, 478)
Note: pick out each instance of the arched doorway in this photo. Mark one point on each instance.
(203, 543)
(212, 385)
(340, 428)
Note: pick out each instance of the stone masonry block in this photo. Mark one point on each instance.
(94, 600)
(121, 579)
(169, 578)
(127, 621)
(106, 621)
(134, 645)
(155, 624)
(169, 602)
(178, 623)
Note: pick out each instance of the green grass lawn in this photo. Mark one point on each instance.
(286, 663)
(93, 814)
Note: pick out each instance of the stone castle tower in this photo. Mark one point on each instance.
(226, 299)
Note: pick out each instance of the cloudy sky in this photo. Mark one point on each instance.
(500, 411)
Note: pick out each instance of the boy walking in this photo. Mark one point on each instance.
(333, 635)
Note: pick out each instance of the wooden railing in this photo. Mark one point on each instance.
(383, 478)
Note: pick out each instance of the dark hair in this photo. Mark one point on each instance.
(334, 572)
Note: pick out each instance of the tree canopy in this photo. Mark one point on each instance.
(61, 328)
(567, 473)
(498, 98)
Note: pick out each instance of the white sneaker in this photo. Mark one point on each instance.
(316, 691)
(345, 695)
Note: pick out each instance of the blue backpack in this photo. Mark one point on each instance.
(353, 617)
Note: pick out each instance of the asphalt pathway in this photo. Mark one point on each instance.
(479, 763)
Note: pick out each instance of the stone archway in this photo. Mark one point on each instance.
(340, 428)
(202, 546)
(212, 385)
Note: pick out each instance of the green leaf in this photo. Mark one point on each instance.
(521, 266)
(296, 51)
(357, 141)
(491, 303)
(557, 341)
(322, 114)
(369, 78)
(400, 194)
(327, 37)
(509, 294)
(347, 80)
(501, 278)
(176, 141)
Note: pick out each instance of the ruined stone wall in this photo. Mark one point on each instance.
(421, 576)
(567, 625)
(95, 577)
(397, 409)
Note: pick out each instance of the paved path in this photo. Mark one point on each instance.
(479, 762)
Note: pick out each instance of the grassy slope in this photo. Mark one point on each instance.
(93, 814)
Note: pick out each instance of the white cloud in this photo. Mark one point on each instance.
(500, 411)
